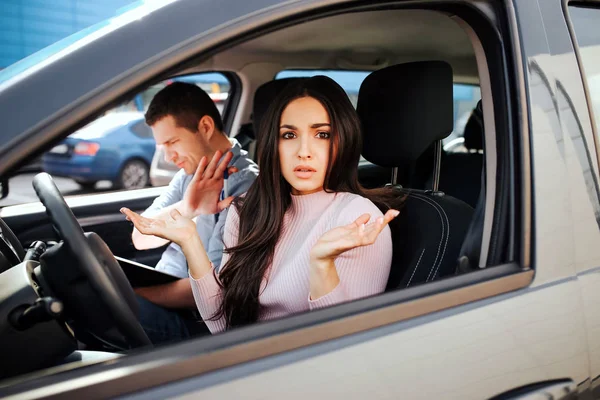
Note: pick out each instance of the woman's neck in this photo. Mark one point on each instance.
(311, 204)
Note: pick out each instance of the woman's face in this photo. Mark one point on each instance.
(304, 140)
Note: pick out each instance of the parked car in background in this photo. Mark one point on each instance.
(117, 147)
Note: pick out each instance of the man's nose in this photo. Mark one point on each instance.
(169, 155)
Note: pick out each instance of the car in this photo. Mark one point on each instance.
(515, 314)
(117, 147)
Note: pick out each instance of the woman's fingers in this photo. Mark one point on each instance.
(142, 224)
(174, 214)
(390, 215)
(130, 215)
(363, 219)
(373, 230)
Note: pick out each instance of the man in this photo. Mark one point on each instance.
(186, 122)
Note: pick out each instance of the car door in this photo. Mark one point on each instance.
(476, 335)
(581, 20)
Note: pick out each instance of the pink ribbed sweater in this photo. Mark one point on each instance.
(362, 271)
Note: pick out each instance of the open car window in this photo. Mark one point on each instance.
(114, 152)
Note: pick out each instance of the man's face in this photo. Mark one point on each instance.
(182, 147)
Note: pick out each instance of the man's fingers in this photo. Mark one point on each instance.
(212, 165)
(232, 170)
(223, 204)
(223, 164)
(200, 169)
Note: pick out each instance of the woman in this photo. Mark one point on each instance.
(304, 236)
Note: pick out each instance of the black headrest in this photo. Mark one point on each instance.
(404, 109)
(474, 129)
(264, 96)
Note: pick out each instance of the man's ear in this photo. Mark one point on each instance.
(206, 126)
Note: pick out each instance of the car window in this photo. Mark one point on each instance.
(107, 153)
(141, 130)
(465, 98)
(585, 21)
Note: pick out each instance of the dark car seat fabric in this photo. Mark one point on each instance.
(402, 115)
(427, 237)
(405, 109)
(461, 172)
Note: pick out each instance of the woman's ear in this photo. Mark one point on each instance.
(206, 126)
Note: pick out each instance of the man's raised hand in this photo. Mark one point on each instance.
(203, 192)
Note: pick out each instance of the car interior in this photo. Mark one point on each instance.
(81, 309)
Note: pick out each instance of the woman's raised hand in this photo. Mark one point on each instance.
(203, 192)
(176, 228)
(341, 239)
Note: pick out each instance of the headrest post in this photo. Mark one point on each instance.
(395, 176)
(437, 161)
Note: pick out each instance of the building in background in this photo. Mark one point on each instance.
(27, 26)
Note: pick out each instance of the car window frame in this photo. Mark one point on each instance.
(566, 4)
(245, 344)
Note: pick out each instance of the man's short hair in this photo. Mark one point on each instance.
(186, 103)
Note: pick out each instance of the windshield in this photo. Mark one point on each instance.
(45, 56)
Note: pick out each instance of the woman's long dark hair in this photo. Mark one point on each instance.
(262, 210)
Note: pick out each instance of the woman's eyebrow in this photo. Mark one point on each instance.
(313, 126)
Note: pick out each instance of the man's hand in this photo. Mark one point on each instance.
(202, 194)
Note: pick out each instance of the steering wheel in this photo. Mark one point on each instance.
(11, 250)
(113, 288)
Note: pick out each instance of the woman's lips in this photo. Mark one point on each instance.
(304, 172)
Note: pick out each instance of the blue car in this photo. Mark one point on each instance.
(117, 147)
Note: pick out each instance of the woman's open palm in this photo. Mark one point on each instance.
(341, 239)
(176, 228)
